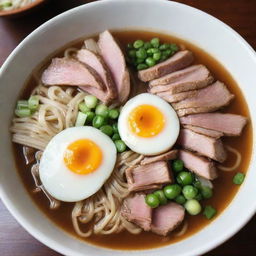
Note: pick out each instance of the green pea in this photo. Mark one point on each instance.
(113, 113)
(189, 192)
(101, 110)
(132, 53)
(163, 58)
(239, 178)
(164, 47)
(129, 46)
(193, 207)
(120, 146)
(98, 121)
(152, 200)
(167, 53)
(107, 129)
(142, 66)
(150, 61)
(206, 192)
(209, 212)
(147, 45)
(90, 116)
(138, 43)
(161, 196)
(177, 165)
(180, 199)
(141, 53)
(172, 191)
(197, 184)
(115, 127)
(185, 178)
(115, 137)
(174, 47)
(155, 42)
(157, 56)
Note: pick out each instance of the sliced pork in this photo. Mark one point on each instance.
(115, 60)
(212, 97)
(148, 176)
(178, 61)
(229, 124)
(204, 145)
(172, 98)
(67, 71)
(135, 210)
(199, 165)
(96, 62)
(204, 131)
(191, 78)
(170, 155)
(166, 218)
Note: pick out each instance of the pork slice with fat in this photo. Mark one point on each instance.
(68, 71)
(204, 145)
(178, 61)
(135, 210)
(148, 176)
(199, 165)
(229, 124)
(115, 60)
(166, 218)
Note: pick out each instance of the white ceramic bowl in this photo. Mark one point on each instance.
(169, 17)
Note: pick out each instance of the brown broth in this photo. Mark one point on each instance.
(224, 189)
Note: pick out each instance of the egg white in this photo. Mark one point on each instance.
(65, 185)
(151, 145)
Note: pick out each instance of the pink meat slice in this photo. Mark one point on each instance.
(67, 71)
(191, 78)
(204, 131)
(115, 60)
(96, 62)
(181, 59)
(212, 97)
(149, 176)
(203, 145)
(135, 210)
(170, 155)
(166, 218)
(229, 124)
(199, 165)
(172, 98)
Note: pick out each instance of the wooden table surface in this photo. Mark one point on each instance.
(239, 14)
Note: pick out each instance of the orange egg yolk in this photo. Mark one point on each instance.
(83, 156)
(146, 121)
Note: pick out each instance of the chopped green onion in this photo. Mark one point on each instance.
(101, 110)
(90, 101)
(33, 102)
(209, 212)
(22, 104)
(81, 118)
(24, 112)
(83, 108)
(239, 178)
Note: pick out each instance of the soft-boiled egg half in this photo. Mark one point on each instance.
(148, 124)
(76, 163)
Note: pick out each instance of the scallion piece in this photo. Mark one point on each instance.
(83, 108)
(238, 178)
(33, 102)
(21, 104)
(209, 212)
(90, 101)
(24, 112)
(81, 119)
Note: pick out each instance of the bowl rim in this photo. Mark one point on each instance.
(61, 248)
(22, 9)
